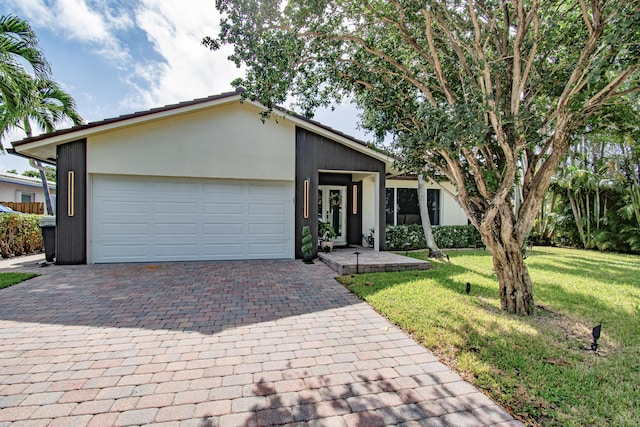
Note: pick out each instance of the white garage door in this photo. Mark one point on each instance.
(142, 219)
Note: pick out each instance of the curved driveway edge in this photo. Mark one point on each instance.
(216, 344)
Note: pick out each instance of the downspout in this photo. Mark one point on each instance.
(45, 185)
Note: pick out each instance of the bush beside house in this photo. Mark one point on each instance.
(20, 234)
(402, 237)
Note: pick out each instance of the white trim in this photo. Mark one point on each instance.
(170, 112)
(376, 200)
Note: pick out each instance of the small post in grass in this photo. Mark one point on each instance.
(595, 333)
(357, 254)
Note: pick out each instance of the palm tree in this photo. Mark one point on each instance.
(18, 46)
(26, 97)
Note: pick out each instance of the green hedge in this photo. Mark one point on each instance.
(20, 234)
(446, 236)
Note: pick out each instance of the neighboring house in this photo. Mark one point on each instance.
(22, 189)
(209, 180)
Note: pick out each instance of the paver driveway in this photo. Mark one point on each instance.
(219, 343)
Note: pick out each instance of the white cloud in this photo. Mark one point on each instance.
(89, 22)
(189, 70)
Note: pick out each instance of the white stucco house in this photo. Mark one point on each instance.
(209, 180)
(22, 189)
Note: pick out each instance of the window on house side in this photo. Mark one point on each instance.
(402, 206)
(27, 197)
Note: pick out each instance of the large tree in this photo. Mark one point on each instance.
(485, 93)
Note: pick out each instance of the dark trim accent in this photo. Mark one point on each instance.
(314, 153)
(71, 231)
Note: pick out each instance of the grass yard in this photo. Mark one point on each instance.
(535, 366)
(10, 279)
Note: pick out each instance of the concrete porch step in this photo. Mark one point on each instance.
(344, 261)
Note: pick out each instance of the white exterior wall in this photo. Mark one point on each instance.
(368, 205)
(228, 141)
(450, 212)
(10, 192)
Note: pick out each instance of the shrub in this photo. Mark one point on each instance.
(19, 234)
(401, 237)
(307, 242)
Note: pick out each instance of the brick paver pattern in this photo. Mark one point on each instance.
(216, 344)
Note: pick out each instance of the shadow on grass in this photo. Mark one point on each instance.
(535, 365)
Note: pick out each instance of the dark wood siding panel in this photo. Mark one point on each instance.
(305, 170)
(71, 230)
(314, 153)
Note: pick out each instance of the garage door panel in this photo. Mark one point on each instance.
(133, 207)
(222, 229)
(222, 208)
(261, 250)
(271, 230)
(141, 219)
(223, 251)
(179, 250)
(118, 230)
(267, 209)
(174, 208)
(180, 230)
(116, 252)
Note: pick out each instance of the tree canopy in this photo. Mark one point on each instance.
(483, 93)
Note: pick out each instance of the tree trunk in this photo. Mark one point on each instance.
(434, 251)
(516, 291)
(45, 189)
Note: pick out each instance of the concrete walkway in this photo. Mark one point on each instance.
(216, 344)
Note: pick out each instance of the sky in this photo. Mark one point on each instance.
(120, 56)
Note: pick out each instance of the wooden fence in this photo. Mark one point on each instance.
(32, 208)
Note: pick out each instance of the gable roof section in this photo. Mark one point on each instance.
(42, 147)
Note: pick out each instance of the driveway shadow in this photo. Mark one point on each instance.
(206, 297)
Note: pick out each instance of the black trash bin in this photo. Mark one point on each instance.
(48, 227)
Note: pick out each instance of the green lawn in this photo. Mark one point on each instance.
(10, 279)
(535, 366)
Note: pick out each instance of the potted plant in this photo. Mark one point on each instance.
(326, 233)
(307, 245)
(371, 238)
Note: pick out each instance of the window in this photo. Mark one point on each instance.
(408, 211)
(433, 205)
(391, 206)
(402, 206)
(26, 197)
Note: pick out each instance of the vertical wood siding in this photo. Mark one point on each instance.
(314, 153)
(71, 231)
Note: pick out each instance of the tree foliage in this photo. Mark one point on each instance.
(27, 92)
(484, 93)
(594, 198)
(50, 173)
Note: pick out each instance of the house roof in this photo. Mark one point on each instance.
(12, 178)
(42, 147)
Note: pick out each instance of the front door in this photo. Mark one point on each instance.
(332, 208)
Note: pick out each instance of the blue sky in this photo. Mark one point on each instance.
(119, 56)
